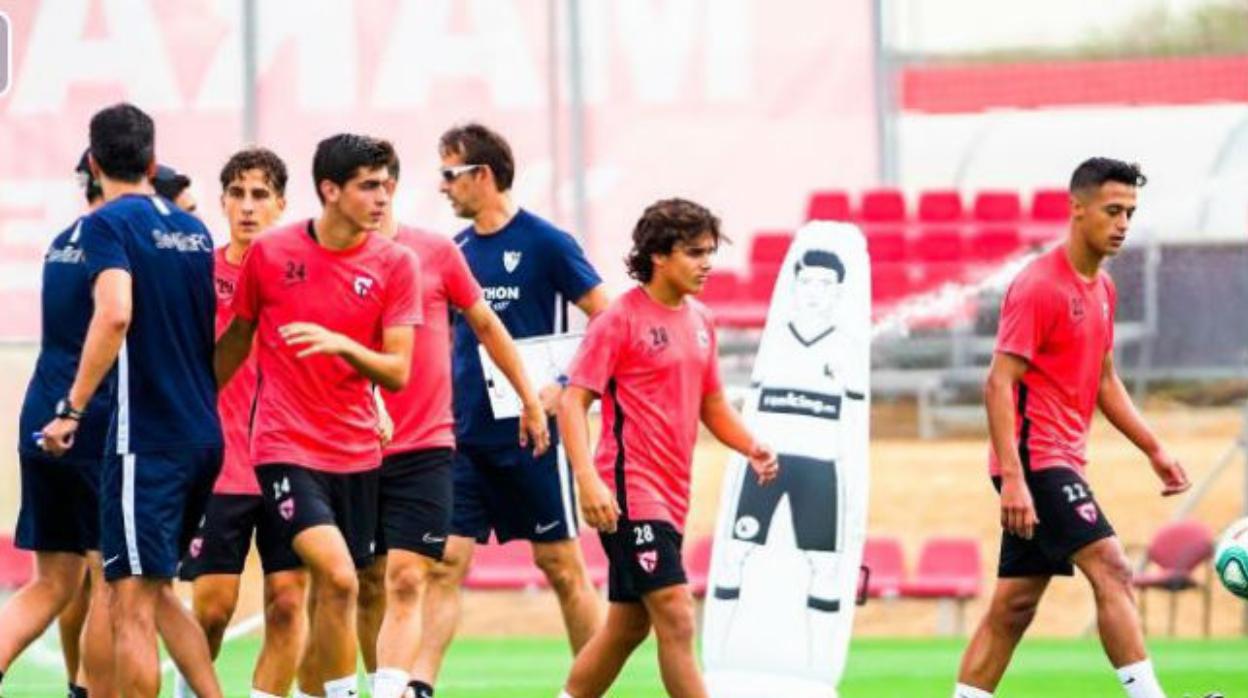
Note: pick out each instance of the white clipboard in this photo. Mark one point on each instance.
(546, 359)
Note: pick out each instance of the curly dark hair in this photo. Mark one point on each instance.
(340, 157)
(664, 224)
(256, 158)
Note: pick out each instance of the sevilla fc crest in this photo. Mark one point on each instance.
(511, 260)
(286, 508)
(197, 546)
(649, 560)
(1087, 511)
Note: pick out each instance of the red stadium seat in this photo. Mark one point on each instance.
(722, 287)
(886, 243)
(941, 206)
(16, 566)
(762, 282)
(938, 244)
(1175, 553)
(883, 206)
(884, 558)
(828, 206)
(890, 281)
(948, 568)
(770, 246)
(998, 207)
(508, 566)
(1050, 206)
(698, 565)
(994, 243)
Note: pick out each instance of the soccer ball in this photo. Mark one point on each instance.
(1230, 559)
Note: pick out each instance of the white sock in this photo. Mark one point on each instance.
(371, 680)
(301, 694)
(257, 693)
(564, 694)
(389, 683)
(346, 687)
(1139, 681)
(963, 691)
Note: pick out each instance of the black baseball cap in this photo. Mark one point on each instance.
(90, 186)
(169, 183)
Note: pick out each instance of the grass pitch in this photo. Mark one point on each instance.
(914, 668)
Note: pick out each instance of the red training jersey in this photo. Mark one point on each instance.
(318, 411)
(422, 411)
(652, 365)
(1063, 325)
(234, 401)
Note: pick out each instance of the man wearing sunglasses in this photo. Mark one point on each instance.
(528, 271)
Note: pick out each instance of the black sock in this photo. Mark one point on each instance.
(76, 691)
(420, 688)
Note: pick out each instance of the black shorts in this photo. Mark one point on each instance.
(415, 502)
(643, 557)
(60, 506)
(1070, 519)
(297, 498)
(811, 485)
(506, 490)
(221, 544)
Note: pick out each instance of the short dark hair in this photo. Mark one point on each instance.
(821, 258)
(256, 158)
(123, 142)
(479, 145)
(662, 225)
(1094, 172)
(393, 165)
(340, 157)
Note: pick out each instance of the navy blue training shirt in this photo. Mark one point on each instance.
(529, 271)
(66, 308)
(166, 392)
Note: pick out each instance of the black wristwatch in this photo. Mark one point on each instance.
(64, 410)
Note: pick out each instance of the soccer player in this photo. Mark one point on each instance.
(652, 358)
(151, 274)
(415, 506)
(59, 516)
(253, 191)
(1054, 363)
(334, 307)
(528, 271)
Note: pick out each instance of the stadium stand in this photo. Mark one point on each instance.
(941, 206)
(1177, 550)
(829, 206)
(949, 569)
(883, 556)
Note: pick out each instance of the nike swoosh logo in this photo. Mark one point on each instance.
(111, 560)
(1129, 681)
(542, 529)
(433, 539)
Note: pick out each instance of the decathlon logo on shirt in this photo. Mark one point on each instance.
(785, 401)
(182, 242)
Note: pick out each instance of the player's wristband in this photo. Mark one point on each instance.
(65, 410)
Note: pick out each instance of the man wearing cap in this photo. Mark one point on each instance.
(59, 518)
(176, 187)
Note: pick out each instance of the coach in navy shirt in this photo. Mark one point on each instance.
(151, 270)
(529, 272)
(59, 518)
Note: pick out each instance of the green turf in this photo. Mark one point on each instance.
(528, 667)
